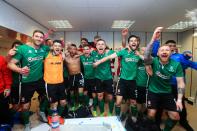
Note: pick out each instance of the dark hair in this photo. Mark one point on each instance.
(73, 45)
(57, 41)
(134, 37)
(47, 40)
(101, 40)
(16, 43)
(38, 31)
(170, 41)
(84, 39)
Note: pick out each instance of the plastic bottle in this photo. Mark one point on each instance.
(55, 124)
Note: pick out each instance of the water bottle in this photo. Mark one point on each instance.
(55, 124)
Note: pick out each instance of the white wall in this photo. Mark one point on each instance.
(113, 39)
(168, 36)
(194, 73)
(74, 37)
(15, 20)
(89, 35)
(188, 42)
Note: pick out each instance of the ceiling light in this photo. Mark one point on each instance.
(122, 24)
(192, 15)
(60, 24)
(182, 25)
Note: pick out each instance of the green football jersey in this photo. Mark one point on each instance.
(142, 77)
(33, 58)
(103, 71)
(129, 64)
(162, 74)
(88, 66)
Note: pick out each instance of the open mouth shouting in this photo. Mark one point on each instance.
(101, 50)
(164, 55)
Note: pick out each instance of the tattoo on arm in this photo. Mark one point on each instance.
(147, 54)
(181, 90)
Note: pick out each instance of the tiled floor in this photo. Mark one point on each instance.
(192, 117)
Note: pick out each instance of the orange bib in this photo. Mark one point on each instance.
(53, 69)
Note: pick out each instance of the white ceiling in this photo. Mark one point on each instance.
(98, 15)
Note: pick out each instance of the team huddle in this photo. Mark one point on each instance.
(66, 77)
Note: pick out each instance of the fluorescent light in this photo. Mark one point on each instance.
(182, 25)
(122, 23)
(60, 23)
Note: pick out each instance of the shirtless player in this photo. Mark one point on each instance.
(76, 79)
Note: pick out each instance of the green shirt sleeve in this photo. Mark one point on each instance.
(110, 52)
(120, 53)
(93, 53)
(47, 48)
(81, 57)
(179, 72)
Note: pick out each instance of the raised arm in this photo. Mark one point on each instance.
(49, 32)
(149, 70)
(112, 56)
(156, 45)
(124, 35)
(148, 51)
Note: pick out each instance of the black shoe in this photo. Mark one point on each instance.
(186, 126)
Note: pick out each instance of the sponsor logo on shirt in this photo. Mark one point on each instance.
(131, 60)
(56, 63)
(87, 63)
(161, 75)
(30, 59)
(141, 68)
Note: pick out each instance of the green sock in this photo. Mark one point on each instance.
(95, 100)
(134, 111)
(60, 109)
(72, 96)
(81, 100)
(44, 104)
(111, 106)
(25, 116)
(169, 124)
(86, 100)
(117, 110)
(101, 106)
